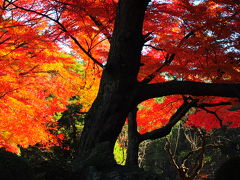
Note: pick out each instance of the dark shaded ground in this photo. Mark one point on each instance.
(230, 170)
(13, 167)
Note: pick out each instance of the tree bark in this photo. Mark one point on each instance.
(133, 139)
(117, 93)
(147, 91)
(120, 91)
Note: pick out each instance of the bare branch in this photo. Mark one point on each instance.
(171, 154)
(5, 93)
(100, 25)
(26, 72)
(154, 47)
(214, 113)
(168, 60)
(151, 76)
(63, 28)
(2, 42)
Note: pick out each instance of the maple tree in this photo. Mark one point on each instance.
(144, 49)
(36, 81)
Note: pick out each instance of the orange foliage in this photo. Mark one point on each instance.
(155, 113)
(37, 80)
(202, 37)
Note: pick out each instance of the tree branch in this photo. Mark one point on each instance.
(63, 28)
(151, 76)
(2, 94)
(168, 60)
(154, 47)
(147, 91)
(101, 26)
(203, 105)
(165, 130)
(26, 72)
(215, 114)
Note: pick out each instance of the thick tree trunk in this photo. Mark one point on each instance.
(117, 93)
(120, 92)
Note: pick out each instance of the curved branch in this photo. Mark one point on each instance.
(147, 91)
(165, 130)
(215, 114)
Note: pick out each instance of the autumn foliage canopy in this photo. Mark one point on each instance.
(184, 40)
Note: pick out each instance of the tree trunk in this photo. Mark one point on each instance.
(133, 139)
(117, 93)
(120, 91)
